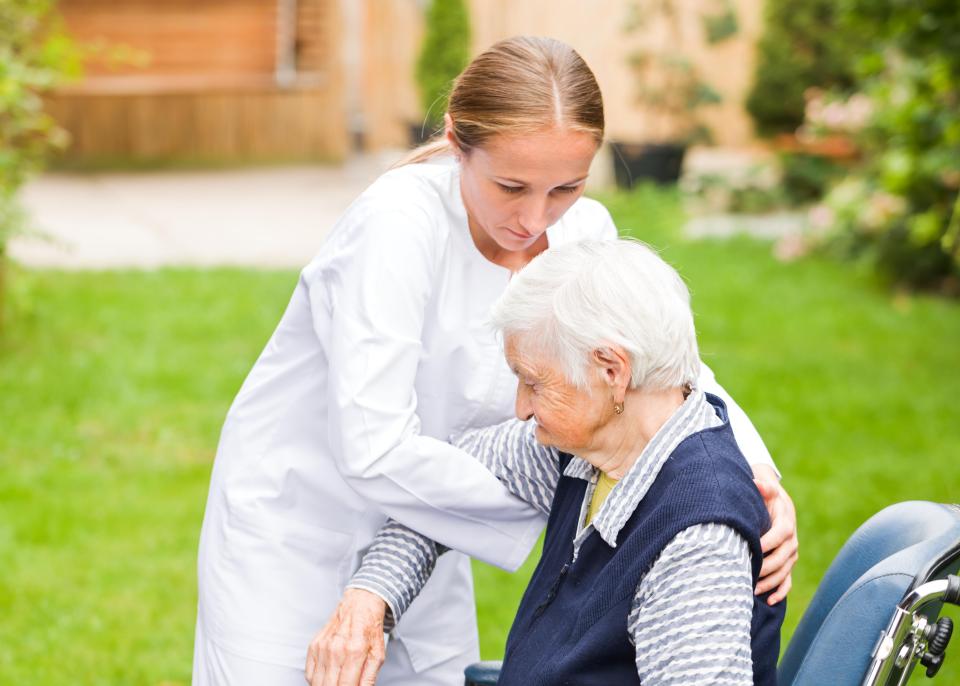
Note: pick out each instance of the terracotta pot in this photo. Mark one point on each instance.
(835, 146)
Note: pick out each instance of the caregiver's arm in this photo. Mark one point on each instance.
(377, 285)
(400, 560)
(780, 544)
(748, 438)
(350, 647)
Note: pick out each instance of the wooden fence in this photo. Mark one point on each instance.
(192, 81)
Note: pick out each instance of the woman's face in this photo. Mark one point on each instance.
(514, 187)
(568, 418)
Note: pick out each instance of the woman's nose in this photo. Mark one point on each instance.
(534, 217)
(524, 408)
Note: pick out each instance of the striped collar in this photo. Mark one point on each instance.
(695, 414)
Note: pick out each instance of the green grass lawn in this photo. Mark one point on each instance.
(114, 385)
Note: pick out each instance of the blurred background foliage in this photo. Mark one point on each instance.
(444, 53)
(900, 210)
(35, 55)
(797, 52)
(875, 101)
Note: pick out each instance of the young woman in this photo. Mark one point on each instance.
(381, 355)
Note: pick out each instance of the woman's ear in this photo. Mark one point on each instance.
(613, 363)
(451, 138)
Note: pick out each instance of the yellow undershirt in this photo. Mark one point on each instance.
(605, 484)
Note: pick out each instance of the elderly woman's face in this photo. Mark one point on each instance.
(514, 187)
(567, 417)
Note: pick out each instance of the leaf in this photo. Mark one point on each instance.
(719, 27)
(925, 227)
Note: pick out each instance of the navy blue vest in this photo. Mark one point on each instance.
(571, 627)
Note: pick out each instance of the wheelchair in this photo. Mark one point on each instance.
(876, 614)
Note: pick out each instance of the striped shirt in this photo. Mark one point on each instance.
(690, 618)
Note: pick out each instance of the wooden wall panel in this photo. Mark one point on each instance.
(316, 35)
(176, 36)
(209, 92)
(391, 35)
(252, 125)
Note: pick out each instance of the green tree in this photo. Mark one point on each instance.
(444, 54)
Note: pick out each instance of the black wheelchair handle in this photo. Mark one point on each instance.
(952, 594)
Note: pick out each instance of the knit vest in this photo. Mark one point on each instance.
(571, 627)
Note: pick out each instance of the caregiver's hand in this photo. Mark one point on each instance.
(780, 545)
(349, 650)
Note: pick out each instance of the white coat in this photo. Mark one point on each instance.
(382, 354)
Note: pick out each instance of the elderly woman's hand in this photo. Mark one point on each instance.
(780, 544)
(349, 650)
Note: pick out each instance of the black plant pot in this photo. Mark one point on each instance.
(420, 133)
(635, 163)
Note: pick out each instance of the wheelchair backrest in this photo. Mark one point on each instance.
(853, 604)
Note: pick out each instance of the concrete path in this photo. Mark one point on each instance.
(770, 226)
(263, 217)
(266, 217)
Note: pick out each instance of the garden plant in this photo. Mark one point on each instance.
(35, 55)
(900, 210)
(884, 82)
(443, 55)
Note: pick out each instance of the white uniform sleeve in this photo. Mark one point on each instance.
(377, 284)
(751, 445)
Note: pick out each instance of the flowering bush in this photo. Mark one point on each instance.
(801, 47)
(827, 113)
(900, 207)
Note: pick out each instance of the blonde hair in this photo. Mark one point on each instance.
(519, 85)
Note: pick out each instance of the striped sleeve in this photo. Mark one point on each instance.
(510, 450)
(395, 567)
(690, 621)
(399, 560)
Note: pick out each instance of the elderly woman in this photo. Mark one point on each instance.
(652, 547)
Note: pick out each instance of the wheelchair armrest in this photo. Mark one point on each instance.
(483, 673)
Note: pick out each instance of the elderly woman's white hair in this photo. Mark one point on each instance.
(585, 296)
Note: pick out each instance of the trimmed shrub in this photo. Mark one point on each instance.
(444, 54)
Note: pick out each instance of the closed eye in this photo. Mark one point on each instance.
(510, 189)
(567, 189)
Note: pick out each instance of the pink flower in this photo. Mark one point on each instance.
(790, 247)
(821, 217)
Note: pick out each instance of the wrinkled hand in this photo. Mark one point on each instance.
(780, 544)
(349, 650)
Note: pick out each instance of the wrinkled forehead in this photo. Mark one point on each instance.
(525, 353)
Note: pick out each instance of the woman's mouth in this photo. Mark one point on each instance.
(519, 236)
